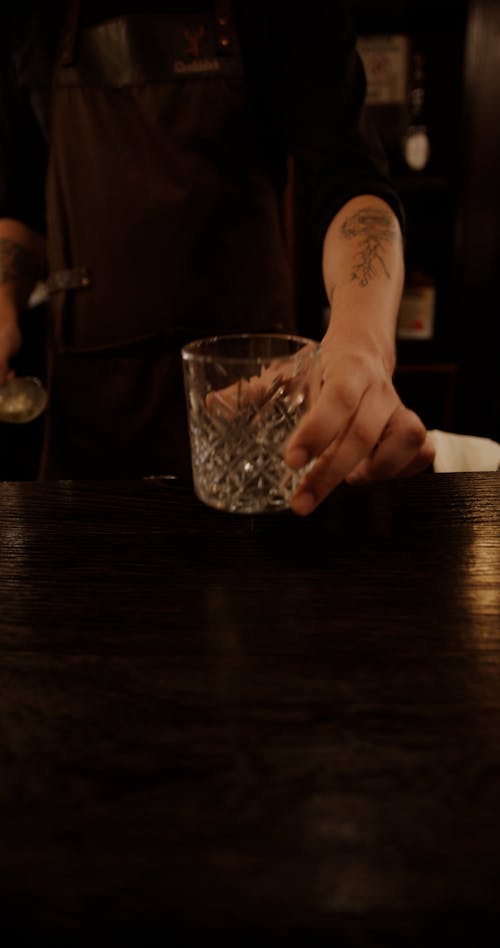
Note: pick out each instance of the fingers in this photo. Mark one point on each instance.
(383, 440)
(347, 450)
(403, 451)
(422, 461)
(337, 402)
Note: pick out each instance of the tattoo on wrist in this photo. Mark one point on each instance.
(17, 264)
(374, 229)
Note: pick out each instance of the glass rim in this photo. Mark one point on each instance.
(194, 349)
(21, 380)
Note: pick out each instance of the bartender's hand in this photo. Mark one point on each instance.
(359, 430)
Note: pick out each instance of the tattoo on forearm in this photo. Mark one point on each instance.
(375, 230)
(16, 263)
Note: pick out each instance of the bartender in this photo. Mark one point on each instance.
(142, 164)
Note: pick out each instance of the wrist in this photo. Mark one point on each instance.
(362, 331)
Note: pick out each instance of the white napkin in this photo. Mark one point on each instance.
(464, 453)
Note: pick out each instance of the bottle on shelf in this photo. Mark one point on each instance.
(418, 304)
(416, 141)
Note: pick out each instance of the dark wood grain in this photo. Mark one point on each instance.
(272, 730)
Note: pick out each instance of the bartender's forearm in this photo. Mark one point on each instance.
(22, 253)
(363, 271)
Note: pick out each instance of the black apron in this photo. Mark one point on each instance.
(162, 226)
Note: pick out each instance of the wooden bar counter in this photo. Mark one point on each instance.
(258, 730)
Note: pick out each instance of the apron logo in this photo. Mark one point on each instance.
(194, 61)
(193, 38)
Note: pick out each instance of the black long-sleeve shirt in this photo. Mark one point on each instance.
(304, 81)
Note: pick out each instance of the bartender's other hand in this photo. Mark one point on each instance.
(10, 343)
(358, 430)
